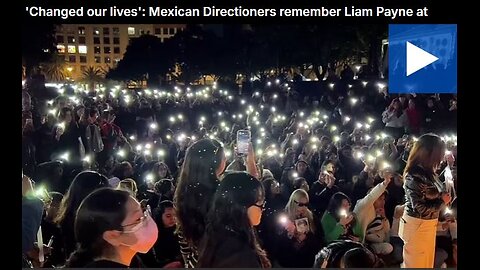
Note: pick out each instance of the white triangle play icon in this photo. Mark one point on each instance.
(417, 58)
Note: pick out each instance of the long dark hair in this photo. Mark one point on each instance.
(196, 186)
(335, 203)
(267, 185)
(82, 185)
(162, 207)
(236, 193)
(427, 152)
(102, 210)
(157, 165)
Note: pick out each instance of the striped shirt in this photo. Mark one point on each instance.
(188, 251)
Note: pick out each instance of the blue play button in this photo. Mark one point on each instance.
(422, 58)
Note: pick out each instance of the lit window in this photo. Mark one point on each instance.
(108, 60)
(131, 30)
(82, 49)
(96, 49)
(72, 49)
(96, 31)
(70, 39)
(61, 48)
(81, 30)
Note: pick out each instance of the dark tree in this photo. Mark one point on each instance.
(146, 57)
(38, 44)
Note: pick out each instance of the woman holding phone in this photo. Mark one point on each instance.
(301, 237)
(339, 222)
(425, 198)
(204, 164)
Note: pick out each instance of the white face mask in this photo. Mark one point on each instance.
(146, 233)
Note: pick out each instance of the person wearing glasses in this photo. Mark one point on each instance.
(338, 221)
(111, 228)
(230, 240)
(301, 236)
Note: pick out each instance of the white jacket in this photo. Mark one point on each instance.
(391, 120)
(364, 209)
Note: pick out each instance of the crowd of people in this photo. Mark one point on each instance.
(349, 176)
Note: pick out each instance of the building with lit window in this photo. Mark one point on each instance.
(102, 45)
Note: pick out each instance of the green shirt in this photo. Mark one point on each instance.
(333, 230)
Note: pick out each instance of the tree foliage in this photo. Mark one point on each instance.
(249, 49)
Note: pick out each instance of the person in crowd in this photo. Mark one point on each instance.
(301, 235)
(274, 204)
(51, 231)
(160, 170)
(111, 133)
(123, 170)
(395, 119)
(163, 190)
(339, 222)
(32, 210)
(301, 183)
(370, 213)
(303, 170)
(324, 188)
(129, 185)
(347, 254)
(395, 240)
(272, 195)
(360, 258)
(51, 174)
(404, 102)
(204, 163)
(167, 249)
(425, 198)
(433, 115)
(82, 185)
(68, 137)
(29, 161)
(414, 118)
(446, 240)
(90, 133)
(230, 240)
(111, 228)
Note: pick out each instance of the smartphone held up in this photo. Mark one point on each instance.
(243, 141)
